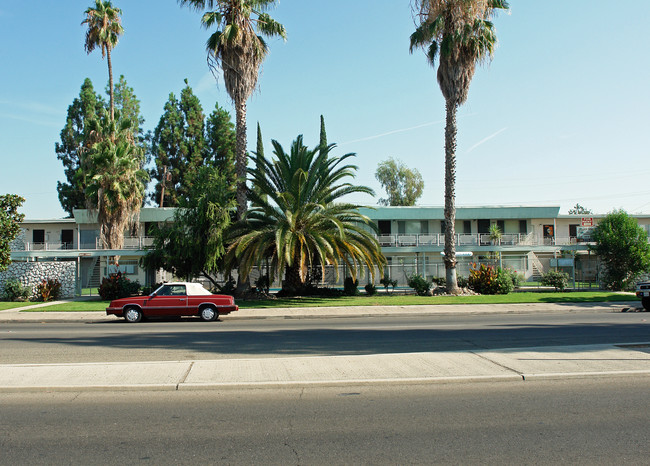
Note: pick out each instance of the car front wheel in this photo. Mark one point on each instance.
(208, 314)
(646, 303)
(132, 315)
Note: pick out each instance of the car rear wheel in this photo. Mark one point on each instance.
(646, 303)
(208, 314)
(132, 315)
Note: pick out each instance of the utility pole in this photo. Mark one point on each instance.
(162, 190)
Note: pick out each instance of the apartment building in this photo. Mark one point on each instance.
(531, 240)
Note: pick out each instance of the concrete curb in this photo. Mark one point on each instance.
(16, 315)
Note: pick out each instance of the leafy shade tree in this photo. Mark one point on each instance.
(296, 217)
(74, 137)
(9, 226)
(460, 34)
(193, 244)
(115, 182)
(239, 51)
(402, 185)
(623, 248)
(104, 29)
(178, 147)
(579, 210)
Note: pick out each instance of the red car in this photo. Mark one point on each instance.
(174, 299)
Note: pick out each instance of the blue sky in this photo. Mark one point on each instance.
(559, 117)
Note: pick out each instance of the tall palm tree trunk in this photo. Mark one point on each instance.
(240, 164)
(110, 82)
(243, 284)
(450, 196)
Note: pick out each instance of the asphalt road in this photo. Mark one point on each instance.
(189, 339)
(596, 421)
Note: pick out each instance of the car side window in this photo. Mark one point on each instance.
(178, 290)
(165, 291)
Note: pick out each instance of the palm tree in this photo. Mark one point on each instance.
(104, 30)
(460, 34)
(237, 49)
(296, 219)
(115, 181)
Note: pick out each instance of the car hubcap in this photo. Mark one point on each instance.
(131, 314)
(208, 314)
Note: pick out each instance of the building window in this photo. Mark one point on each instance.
(549, 231)
(502, 225)
(401, 227)
(467, 227)
(484, 226)
(523, 227)
(38, 236)
(424, 227)
(384, 227)
(67, 238)
(573, 230)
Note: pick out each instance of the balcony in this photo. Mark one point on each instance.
(130, 243)
(474, 239)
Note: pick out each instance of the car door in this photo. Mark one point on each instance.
(170, 300)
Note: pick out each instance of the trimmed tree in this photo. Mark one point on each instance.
(402, 185)
(460, 34)
(9, 225)
(297, 218)
(104, 30)
(237, 50)
(623, 249)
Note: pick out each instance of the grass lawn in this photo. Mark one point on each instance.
(384, 300)
(4, 306)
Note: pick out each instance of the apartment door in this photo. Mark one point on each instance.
(67, 239)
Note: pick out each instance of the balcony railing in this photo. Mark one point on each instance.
(474, 239)
(130, 242)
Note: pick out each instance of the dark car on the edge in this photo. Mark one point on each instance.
(174, 299)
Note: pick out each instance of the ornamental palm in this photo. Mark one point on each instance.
(460, 34)
(114, 178)
(104, 30)
(237, 49)
(296, 221)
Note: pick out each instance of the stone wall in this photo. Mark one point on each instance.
(30, 274)
(19, 243)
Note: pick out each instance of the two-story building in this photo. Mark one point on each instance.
(528, 239)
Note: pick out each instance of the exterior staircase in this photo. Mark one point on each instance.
(538, 268)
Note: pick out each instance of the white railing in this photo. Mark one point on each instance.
(130, 242)
(474, 239)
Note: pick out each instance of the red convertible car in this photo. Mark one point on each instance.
(174, 299)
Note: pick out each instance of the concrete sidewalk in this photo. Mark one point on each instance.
(17, 314)
(402, 368)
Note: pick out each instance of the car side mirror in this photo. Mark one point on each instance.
(153, 295)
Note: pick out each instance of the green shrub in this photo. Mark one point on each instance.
(462, 282)
(440, 281)
(386, 281)
(15, 291)
(262, 284)
(420, 284)
(490, 280)
(117, 286)
(49, 289)
(350, 286)
(556, 279)
(229, 287)
(371, 289)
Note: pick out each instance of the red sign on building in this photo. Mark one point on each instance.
(587, 222)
